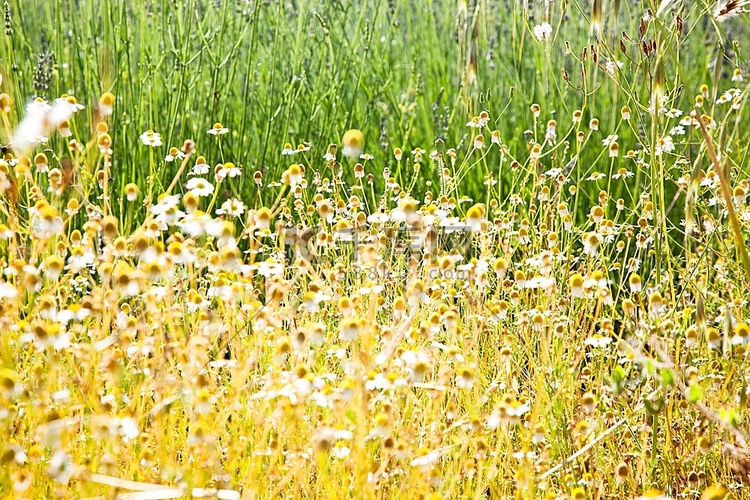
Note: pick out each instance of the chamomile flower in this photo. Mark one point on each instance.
(350, 328)
(199, 187)
(200, 167)
(106, 103)
(495, 137)
(484, 119)
(231, 207)
(151, 138)
(591, 242)
(465, 377)
(418, 154)
(622, 173)
(131, 191)
(677, 130)
(174, 154)
(474, 216)
(543, 31)
(551, 134)
(340, 450)
(218, 129)
(46, 221)
(664, 145)
(598, 341)
(224, 170)
(353, 143)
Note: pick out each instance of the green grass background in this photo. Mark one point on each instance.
(293, 71)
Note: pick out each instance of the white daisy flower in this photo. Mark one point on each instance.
(200, 187)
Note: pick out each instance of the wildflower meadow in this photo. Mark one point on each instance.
(423, 249)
